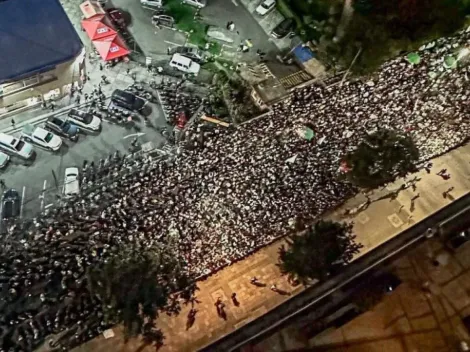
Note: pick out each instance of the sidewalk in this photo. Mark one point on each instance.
(381, 221)
(423, 314)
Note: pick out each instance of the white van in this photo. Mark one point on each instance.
(184, 64)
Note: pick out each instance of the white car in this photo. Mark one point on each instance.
(265, 7)
(4, 159)
(153, 3)
(71, 183)
(84, 120)
(196, 3)
(16, 146)
(41, 137)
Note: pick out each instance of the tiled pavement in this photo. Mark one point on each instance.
(379, 222)
(413, 317)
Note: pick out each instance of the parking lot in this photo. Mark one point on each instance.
(41, 181)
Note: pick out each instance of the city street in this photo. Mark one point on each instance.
(154, 42)
(36, 182)
(219, 12)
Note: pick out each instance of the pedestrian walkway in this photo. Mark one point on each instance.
(374, 224)
(425, 313)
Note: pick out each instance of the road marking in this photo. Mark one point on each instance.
(235, 2)
(134, 134)
(42, 194)
(49, 205)
(22, 202)
(175, 44)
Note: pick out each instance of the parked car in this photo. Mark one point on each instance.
(184, 64)
(196, 3)
(41, 137)
(4, 159)
(153, 3)
(84, 120)
(11, 204)
(162, 20)
(16, 146)
(71, 183)
(265, 7)
(283, 29)
(192, 53)
(117, 17)
(128, 100)
(62, 128)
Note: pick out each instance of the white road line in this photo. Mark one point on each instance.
(49, 205)
(42, 194)
(175, 44)
(235, 2)
(22, 202)
(134, 134)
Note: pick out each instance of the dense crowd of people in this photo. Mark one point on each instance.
(227, 192)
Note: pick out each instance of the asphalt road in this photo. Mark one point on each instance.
(219, 12)
(151, 41)
(32, 180)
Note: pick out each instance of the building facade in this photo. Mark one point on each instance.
(26, 92)
(41, 59)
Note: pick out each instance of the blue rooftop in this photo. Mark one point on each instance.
(303, 53)
(34, 35)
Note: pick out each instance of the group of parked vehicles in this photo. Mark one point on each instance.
(50, 135)
(283, 29)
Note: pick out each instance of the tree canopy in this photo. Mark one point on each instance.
(325, 246)
(380, 158)
(382, 29)
(137, 284)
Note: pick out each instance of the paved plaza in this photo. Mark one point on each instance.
(376, 224)
(412, 318)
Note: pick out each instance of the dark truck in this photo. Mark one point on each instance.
(128, 100)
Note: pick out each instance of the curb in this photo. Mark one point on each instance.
(35, 120)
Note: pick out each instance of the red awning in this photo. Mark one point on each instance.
(98, 27)
(111, 47)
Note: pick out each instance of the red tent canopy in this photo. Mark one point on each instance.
(97, 28)
(111, 47)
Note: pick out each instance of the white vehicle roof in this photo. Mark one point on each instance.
(40, 132)
(268, 2)
(71, 184)
(181, 59)
(6, 138)
(71, 171)
(3, 158)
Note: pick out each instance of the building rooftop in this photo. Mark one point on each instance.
(35, 35)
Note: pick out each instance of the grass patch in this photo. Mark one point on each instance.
(184, 21)
(214, 48)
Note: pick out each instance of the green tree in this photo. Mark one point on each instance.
(324, 247)
(380, 158)
(138, 283)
